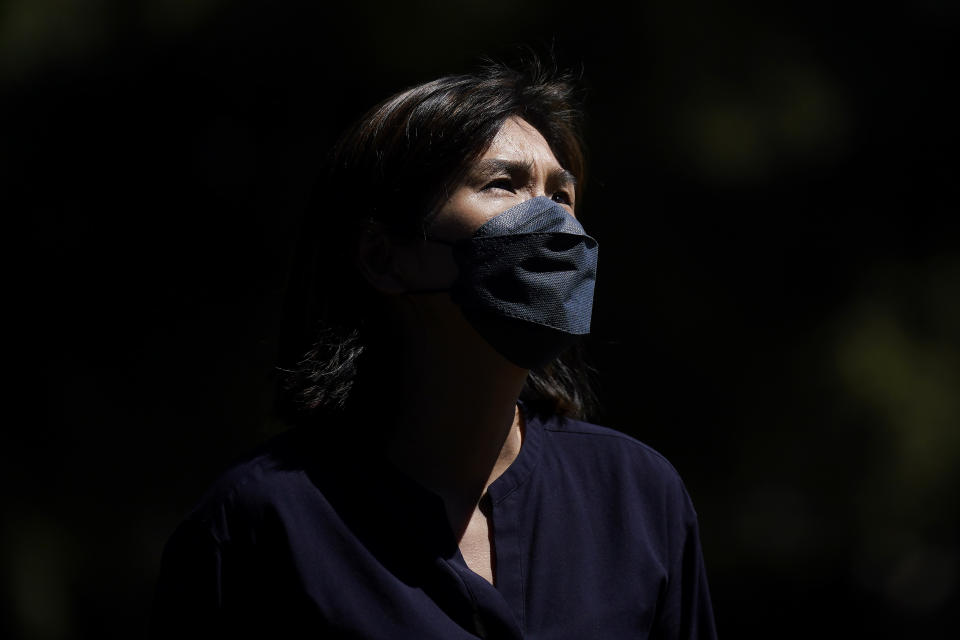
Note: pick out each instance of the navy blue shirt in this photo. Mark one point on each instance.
(594, 536)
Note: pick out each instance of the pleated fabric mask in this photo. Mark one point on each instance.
(526, 280)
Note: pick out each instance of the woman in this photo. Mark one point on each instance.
(440, 483)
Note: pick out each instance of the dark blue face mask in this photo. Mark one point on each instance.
(526, 280)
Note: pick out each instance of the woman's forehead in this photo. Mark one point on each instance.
(519, 141)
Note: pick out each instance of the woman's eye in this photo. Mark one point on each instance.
(563, 198)
(500, 183)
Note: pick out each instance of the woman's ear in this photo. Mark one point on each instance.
(377, 259)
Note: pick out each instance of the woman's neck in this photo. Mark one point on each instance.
(458, 427)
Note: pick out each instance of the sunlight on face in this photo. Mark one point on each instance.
(517, 166)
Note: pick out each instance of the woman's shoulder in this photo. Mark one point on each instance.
(576, 444)
(254, 484)
(578, 434)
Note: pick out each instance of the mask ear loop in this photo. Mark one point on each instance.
(417, 292)
(448, 243)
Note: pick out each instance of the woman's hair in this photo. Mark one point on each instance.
(394, 169)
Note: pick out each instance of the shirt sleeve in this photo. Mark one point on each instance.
(685, 611)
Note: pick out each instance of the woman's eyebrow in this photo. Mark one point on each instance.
(498, 166)
(563, 178)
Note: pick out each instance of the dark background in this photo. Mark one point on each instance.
(773, 185)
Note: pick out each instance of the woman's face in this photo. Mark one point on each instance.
(517, 166)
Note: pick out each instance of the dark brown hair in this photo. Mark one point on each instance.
(395, 168)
